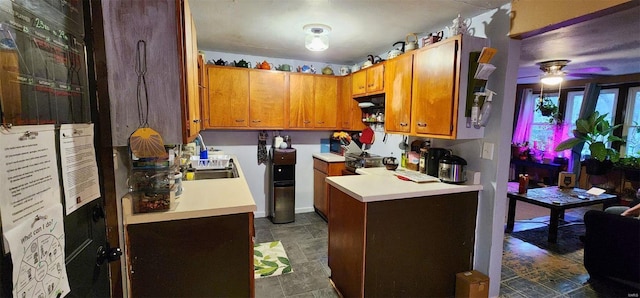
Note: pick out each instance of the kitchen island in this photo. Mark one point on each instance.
(201, 247)
(394, 238)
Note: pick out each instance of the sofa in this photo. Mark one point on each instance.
(612, 247)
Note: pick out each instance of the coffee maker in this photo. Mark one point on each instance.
(433, 160)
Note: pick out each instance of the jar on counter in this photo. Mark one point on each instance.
(422, 164)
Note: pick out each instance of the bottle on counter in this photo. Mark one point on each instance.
(422, 164)
(523, 183)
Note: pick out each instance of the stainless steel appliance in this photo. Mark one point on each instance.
(363, 160)
(453, 169)
(282, 198)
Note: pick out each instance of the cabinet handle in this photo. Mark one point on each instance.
(256, 121)
(421, 124)
(320, 122)
(306, 121)
(196, 120)
(403, 124)
(239, 120)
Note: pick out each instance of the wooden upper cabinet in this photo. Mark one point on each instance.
(313, 101)
(434, 99)
(266, 99)
(349, 112)
(301, 101)
(326, 102)
(368, 81)
(375, 79)
(398, 80)
(359, 83)
(228, 102)
(193, 66)
(169, 71)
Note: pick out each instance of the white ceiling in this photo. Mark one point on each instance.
(609, 45)
(273, 28)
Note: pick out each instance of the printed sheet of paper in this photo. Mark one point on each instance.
(29, 181)
(37, 253)
(79, 167)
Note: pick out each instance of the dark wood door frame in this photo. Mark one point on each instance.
(101, 115)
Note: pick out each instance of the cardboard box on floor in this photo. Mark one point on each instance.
(472, 284)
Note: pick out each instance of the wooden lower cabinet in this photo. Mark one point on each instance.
(400, 248)
(322, 170)
(200, 257)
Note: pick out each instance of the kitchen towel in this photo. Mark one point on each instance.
(270, 259)
(263, 158)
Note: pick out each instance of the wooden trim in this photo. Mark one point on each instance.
(182, 62)
(103, 139)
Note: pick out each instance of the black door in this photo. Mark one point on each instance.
(49, 42)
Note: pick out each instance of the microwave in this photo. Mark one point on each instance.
(335, 146)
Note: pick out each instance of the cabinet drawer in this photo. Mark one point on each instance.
(321, 165)
(284, 157)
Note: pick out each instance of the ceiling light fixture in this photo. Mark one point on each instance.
(317, 37)
(553, 74)
(552, 79)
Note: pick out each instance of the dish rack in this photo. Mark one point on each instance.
(213, 162)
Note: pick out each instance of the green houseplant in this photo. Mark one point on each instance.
(595, 132)
(630, 165)
(547, 107)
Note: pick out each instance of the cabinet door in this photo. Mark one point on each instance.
(375, 79)
(345, 103)
(266, 99)
(326, 102)
(434, 87)
(228, 102)
(320, 192)
(359, 83)
(301, 101)
(193, 67)
(398, 79)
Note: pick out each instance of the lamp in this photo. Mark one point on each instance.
(552, 79)
(317, 37)
(553, 74)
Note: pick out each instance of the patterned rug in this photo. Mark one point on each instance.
(568, 238)
(270, 259)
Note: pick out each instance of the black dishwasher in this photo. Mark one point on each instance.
(282, 185)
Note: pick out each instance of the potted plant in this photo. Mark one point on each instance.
(630, 166)
(595, 132)
(547, 107)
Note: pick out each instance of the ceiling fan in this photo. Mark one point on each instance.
(554, 74)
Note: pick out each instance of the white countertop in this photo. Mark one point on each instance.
(379, 184)
(200, 198)
(329, 157)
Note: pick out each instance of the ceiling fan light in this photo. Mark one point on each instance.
(552, 79)
(316, 37)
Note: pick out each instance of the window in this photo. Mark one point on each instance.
(606, 104)
(542, 127)
(631, 127)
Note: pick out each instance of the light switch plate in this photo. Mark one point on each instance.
(487, 151)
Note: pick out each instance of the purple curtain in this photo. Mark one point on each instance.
(524, 118)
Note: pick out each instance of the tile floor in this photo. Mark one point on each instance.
(305, 241)
(527, 271)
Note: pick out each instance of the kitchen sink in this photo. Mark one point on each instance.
(229, 172)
